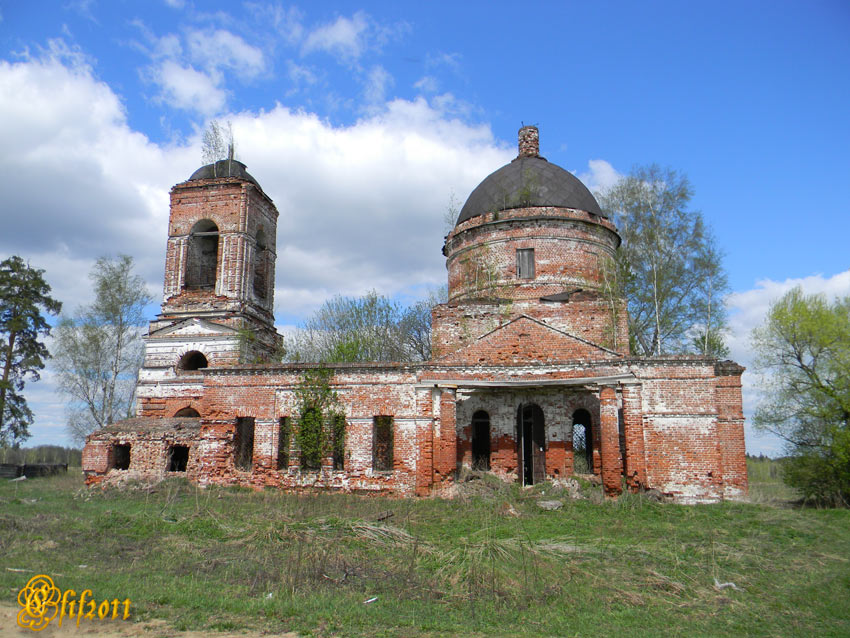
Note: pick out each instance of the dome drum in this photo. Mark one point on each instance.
(565, 248)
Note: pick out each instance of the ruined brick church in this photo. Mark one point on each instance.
(530, 378)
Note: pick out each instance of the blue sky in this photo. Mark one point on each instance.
(363, 121)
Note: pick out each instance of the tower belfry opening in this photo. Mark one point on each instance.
(202, 261)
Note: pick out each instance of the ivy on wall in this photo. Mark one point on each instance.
(320, 431)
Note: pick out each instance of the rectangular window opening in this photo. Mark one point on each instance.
(121, 457)
(243, 443)
(382, 444)
(283, 443)
(338, 438)
(178, 458)
(525, 263)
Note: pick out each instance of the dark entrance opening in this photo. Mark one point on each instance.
(243, 443)
(582, 442)
(382, 444)
(531, 444)
(187, 412)
(121, 457)
(480, 440)
(178, 458)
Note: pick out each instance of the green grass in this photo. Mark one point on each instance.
(232, 559)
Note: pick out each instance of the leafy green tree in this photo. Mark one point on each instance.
(710, 343)
(367, 328)
(668, 267)
(24, 296)
(803, 355)
(320, 430)
(415, 324)
(99, 351)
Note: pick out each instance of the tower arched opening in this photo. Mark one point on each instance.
(192, 360)
(202, 258)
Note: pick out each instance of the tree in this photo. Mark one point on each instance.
(24, 295)
(415, 324)
(668, 267)
(320, 431)
(803, 356)
(217, 143)
(367, 328)
(99, 350)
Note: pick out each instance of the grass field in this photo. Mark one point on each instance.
(492, 564)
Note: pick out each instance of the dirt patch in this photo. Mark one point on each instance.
(108, 629)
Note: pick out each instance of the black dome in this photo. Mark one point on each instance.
(529, 181)
(223, 168)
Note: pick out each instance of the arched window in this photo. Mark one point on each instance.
(261, 266)
(202, 260)
(187, 412)
(480, 440)
(192, 360)
(582, 442)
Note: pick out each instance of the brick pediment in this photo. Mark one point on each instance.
(527, 340)
(193, 328)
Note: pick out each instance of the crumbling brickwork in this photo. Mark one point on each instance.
(531, 346)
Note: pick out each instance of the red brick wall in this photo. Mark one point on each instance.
(635, 461)
(680, 427)
(730, 424)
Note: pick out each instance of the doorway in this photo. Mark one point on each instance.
(531, 444)
(582, 442)
(481, 441)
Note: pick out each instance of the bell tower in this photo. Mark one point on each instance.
(219, 273)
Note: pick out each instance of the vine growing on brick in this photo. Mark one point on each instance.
(320, 430)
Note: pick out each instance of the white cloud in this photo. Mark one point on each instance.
(222, 49)
(287, 22)
(377, 83)
(184, 87)
(600, 175)
(86, 184)
(362, 206)
(300, 75)
(427, 84)
(344, 38)
(192, 70)
(168, 46)
(449, 60)
(748, 309)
